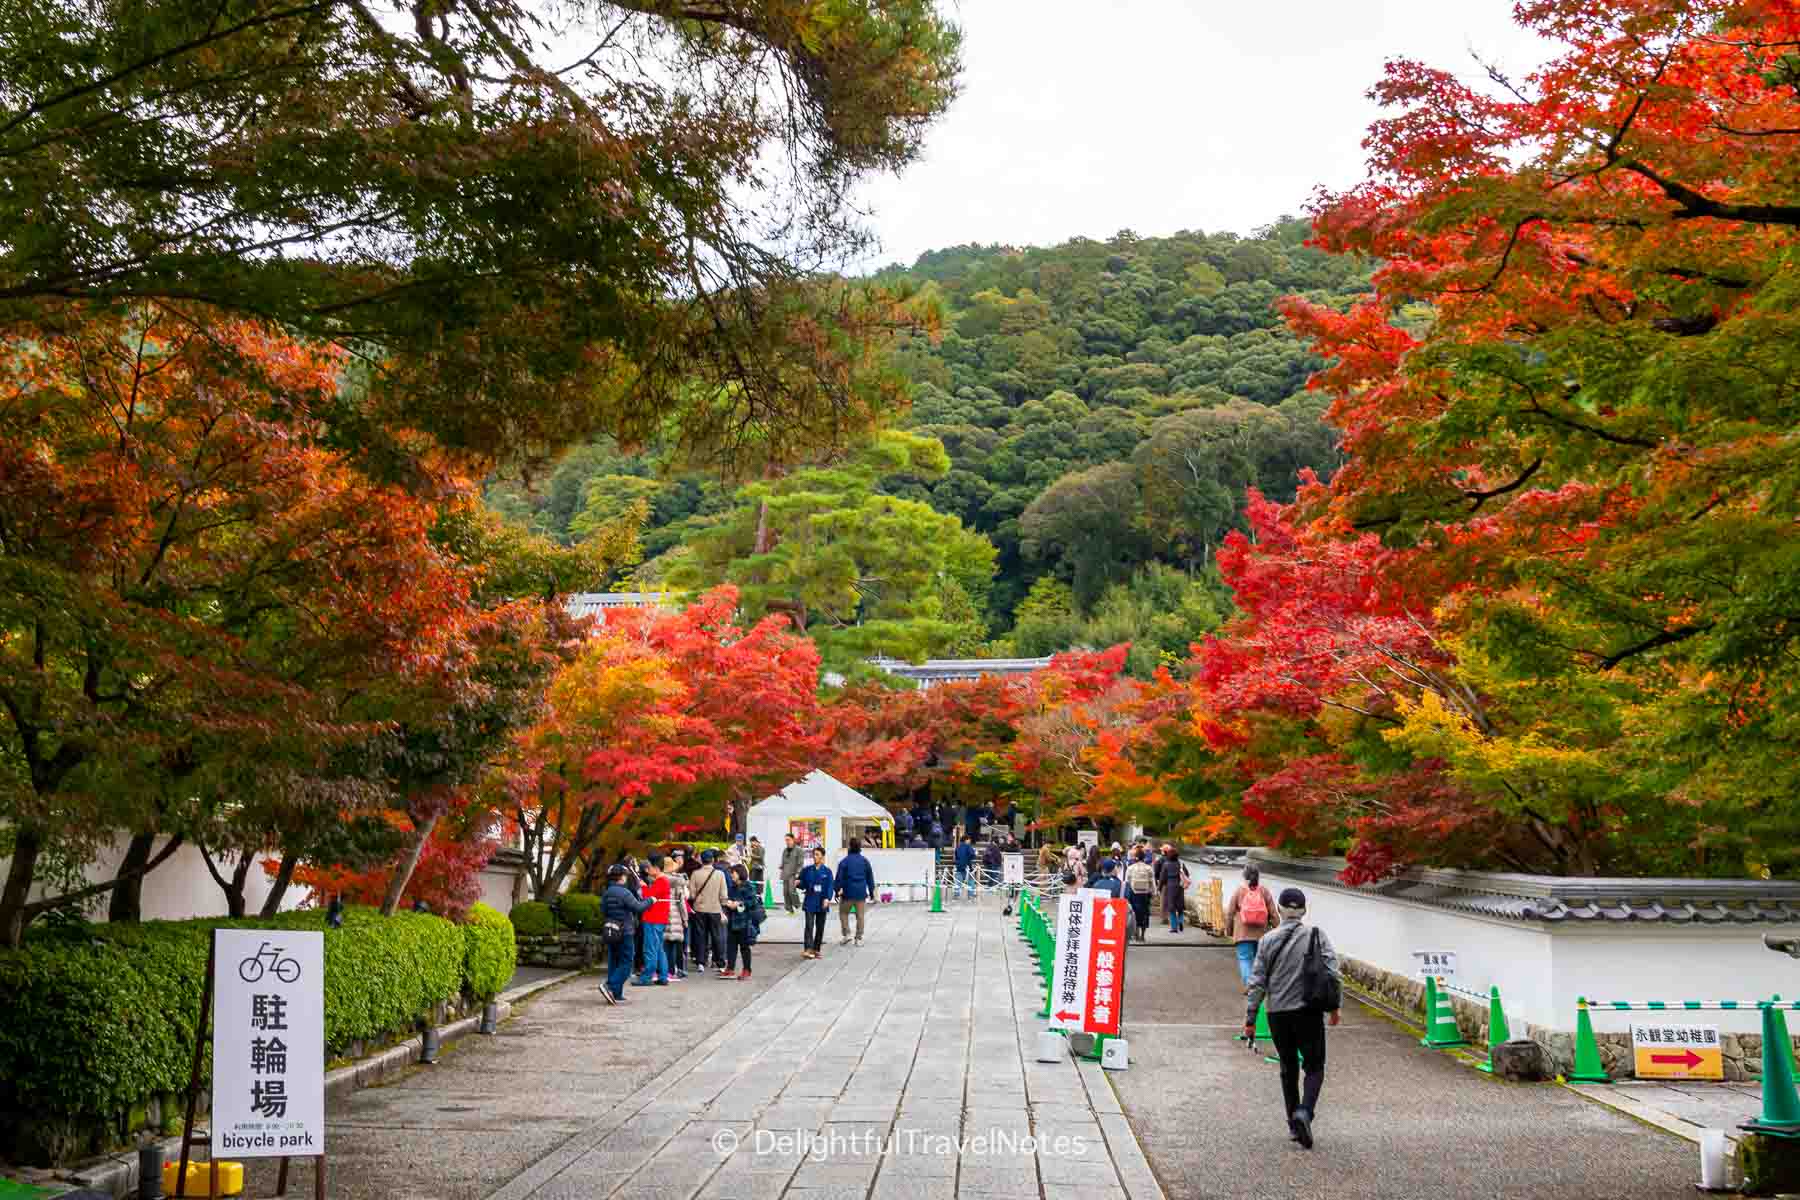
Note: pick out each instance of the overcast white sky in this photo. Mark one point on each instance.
(1159, 115)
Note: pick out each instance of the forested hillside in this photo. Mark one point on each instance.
(1103, 407)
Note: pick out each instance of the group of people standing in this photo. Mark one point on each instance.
(674, 909)
(934, 826)
(809, 885)
(1140, 876)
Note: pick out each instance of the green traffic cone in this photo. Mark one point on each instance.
(1780, 1103)
(937, 896)
(1440, 1019)
(768, 892)
(1497, 1030)
(1588, 1068)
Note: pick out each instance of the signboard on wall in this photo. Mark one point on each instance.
(1677, 1052)
(1087, 837)
(807, 831)
(268, 1079)
(1440, 964)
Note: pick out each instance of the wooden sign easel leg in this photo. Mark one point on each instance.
(202, 1031)
(281, 1179)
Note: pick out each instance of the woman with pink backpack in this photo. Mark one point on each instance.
(1250, 914)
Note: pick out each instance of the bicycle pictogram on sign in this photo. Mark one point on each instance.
(268, 958)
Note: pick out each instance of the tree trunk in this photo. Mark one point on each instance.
(408, 863)
(235, 901)
(278, 887)
(26, 847)
(762, 529)
(127, 900)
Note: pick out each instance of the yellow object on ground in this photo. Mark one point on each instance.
(199, 1178)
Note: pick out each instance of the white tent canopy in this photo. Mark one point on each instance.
(816, 808)
(821, 810)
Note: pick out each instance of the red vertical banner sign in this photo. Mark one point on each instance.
(1105, 967)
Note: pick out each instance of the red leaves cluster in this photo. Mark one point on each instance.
(664, 720)
(1320, 616)
(448, 875)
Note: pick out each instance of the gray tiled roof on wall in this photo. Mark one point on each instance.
(1547, 898)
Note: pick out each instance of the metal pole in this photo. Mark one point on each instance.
(150, 1168)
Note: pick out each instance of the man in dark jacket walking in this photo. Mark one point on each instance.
(618, 905)
(965, 867)
(1298, 1031)
(855, 881)
(817, 886)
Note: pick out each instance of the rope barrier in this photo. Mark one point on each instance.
(1685, 1005)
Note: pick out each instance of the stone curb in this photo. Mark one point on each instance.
(117, 1176)
(1637, 1110)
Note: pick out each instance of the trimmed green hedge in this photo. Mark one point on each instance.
(490, 952)
(98, 1018)
(533, 918)
(581, 911)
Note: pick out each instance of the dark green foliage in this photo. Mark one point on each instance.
(581, 911)
(1095, 370)
(1062, 361)
(490, 952)
(533, 918)
(98, 1018)
(508, 228)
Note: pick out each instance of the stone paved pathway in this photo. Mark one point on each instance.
(905, 1069)
(900, 1069)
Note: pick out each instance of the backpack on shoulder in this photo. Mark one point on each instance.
(1319, 988)
(1253, 909)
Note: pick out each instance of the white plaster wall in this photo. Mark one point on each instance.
(179, 888)
(498, 888)
(1660, 962)
(1542, 968)
(1514, 956)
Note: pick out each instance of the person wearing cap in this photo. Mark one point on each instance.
(1297, 1029)
(1108, 879)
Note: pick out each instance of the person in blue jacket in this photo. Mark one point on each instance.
(619, 905)
(816, 889)
(855, 888)
(965, 868)
(1108, 879)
